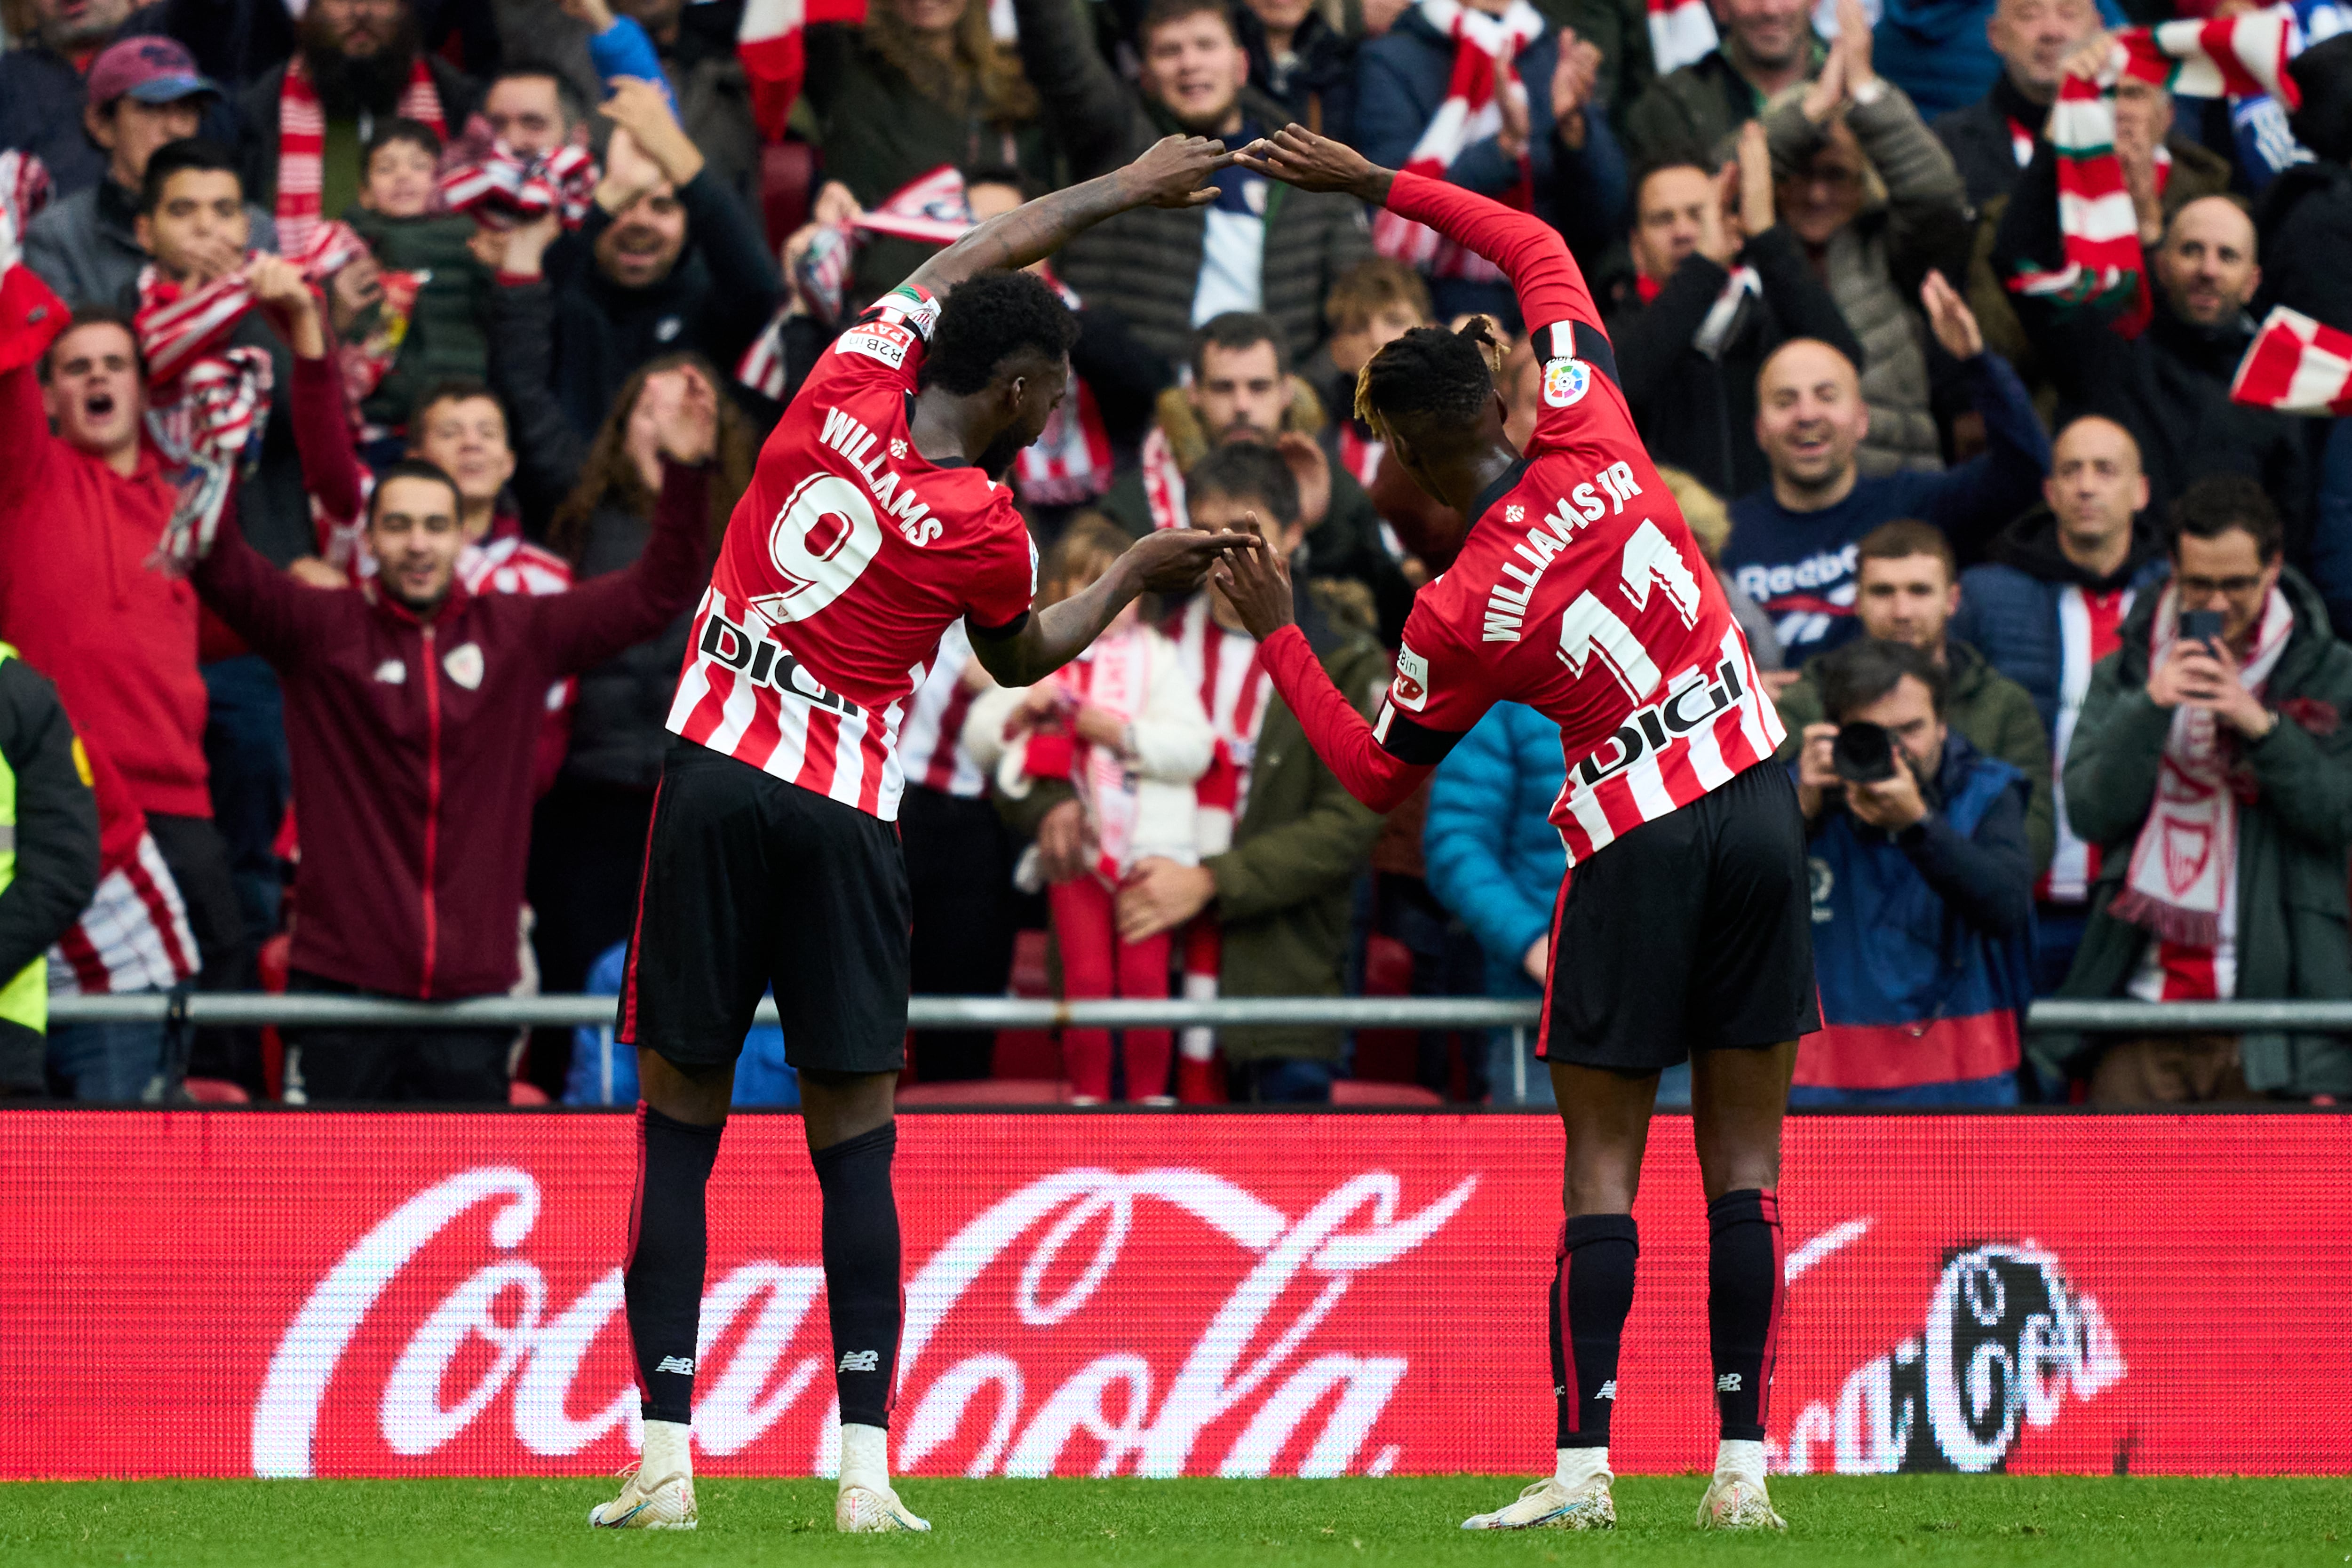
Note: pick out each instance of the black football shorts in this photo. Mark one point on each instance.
(1692, 932)
(751, 882)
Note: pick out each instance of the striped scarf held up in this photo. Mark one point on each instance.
(2233, 56)
(302, 144)
(208, 401)
(1483, 49)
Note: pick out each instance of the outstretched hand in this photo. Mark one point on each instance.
(1297, 156)
(1174, 171)
(1257, 583)
(1177, 560)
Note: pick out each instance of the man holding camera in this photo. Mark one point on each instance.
(1922, 890)
(2212, 765)
(1907, 591)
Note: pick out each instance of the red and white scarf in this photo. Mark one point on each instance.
(302, 144)
(1114, 675)
(207, 401)
(1069, 463)
(2233, 56)
(1163, 481)
(775, 57)
(2088, 629)
(24, 192)
(1483, 49)
(932, 210)
(500, 189)
(2185, 862)
(2297, 365)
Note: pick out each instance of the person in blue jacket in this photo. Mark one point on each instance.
(1493, 857)
(1576, 168)
(1923, 899)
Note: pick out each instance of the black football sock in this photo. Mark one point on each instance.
(1592, 1291)
(861, 1272)
(1743, 1307)
(662, 1282)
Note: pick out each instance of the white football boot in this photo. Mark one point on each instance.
(1550, 1505)
(869, 1510)
(1735, 1502)
(667, 1503)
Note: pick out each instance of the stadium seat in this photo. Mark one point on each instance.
(216, 1091)
(1358, 1092)
(982, 1091)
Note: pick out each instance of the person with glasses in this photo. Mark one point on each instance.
(2213, 766)
(1875, 202)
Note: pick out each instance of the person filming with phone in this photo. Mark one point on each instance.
(2212, 767)
(1922, 892)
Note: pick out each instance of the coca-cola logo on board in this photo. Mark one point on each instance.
(2006, 1342)
(500, 1332)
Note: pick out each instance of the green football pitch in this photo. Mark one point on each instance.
(1922, 1519)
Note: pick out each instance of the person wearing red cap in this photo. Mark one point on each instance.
(43, 84)
(144, 92)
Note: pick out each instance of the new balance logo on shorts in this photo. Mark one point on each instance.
(1608, 1390)
(1728, 1383)
(681, 1364)
(860, 1361)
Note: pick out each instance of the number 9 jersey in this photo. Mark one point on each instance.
(1580, 592)
(844, 563)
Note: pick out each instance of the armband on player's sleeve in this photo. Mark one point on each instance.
(909, 305)
(1409, 742)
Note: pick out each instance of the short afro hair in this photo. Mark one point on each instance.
(988, 319)
(1430, 373)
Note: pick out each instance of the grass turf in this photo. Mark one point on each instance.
(1927, 1520)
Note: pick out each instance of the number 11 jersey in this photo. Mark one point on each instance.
(1580, 592)
(844, 563)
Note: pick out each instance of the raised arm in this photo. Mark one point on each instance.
(1549, 284)
(1172, 173)
(1258, 586)
(1172, 561)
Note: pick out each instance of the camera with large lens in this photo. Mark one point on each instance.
(1863, 752)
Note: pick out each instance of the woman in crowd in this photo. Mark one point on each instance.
(921, 83)
(588, 838)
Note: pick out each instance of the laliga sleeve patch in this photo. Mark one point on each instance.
(1566, 381)
(915, 308)
(878, 341)
(1410, 689)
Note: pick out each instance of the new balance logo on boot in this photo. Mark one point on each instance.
(681, 1364)
(1728, 1383)
(860, 1361)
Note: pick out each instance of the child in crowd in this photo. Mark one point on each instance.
(1124, 726)
(424, 324)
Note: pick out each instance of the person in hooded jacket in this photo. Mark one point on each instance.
(2048, 606)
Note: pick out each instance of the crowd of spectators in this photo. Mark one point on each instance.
(377, 376)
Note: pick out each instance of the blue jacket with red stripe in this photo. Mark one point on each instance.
(1922, 939)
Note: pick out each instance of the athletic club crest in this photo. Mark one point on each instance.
(2186, 847)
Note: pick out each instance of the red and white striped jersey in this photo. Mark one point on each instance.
(846, 561)
(133, 935)
(512, 565)
(930, 741)
(1579, 590)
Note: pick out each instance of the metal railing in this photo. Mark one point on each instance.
(1043, 1014)
(1025, 1013)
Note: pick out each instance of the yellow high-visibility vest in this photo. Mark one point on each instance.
(25, 999)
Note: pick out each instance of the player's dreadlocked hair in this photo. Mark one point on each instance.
(988, 318)
(1430, 371)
